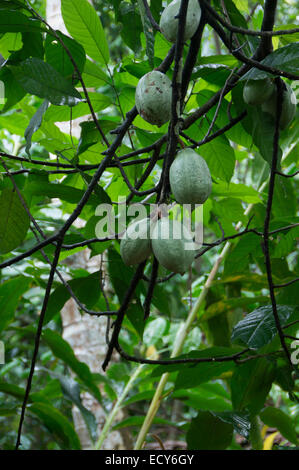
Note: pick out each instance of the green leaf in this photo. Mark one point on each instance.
(14, 221)
(12, 390)
(258, 328)
(275, 418)
(93, 76)
(239, 191)
(10, 42)
(227, 305)
(57, 424)
(87, 290)
(71, 390)
(62, 350)
(208, 432)
(218, 153)
(15, 21)
(131, 25)
(138, 420)
(251, 383)
(10, 294)
(84, 25)
(228, 60)
(208, 396)
(13, 90)
(120, 276)
(193, 375)
(35, 124)
(239, 257)
(64, 192)
(57, 57)
(154, 331)
(65, 113)
(285, 59)
(41, 79)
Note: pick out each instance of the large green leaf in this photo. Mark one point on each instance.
(15, 21)
(207, 396)
(62, 350)
(14, 221)
(251, 383)
(208, 432)
(41, 79)
(35, 124)
(286, 59)
(83, 23)
(218, 153)
(258, 328)
(238, 191)
(191, 376)
(57, 57)
(61, 191)
(13, 90)
(259, 125)
(138, 420)
(71, 390)
(53, 419)
(276, 418)
(99, 101)
(57, 424)
(93, 76)
(87, 290)
(10, 294)
(120, 276)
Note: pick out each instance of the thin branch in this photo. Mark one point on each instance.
(279, 87)
(37, 341)
(247, 32)
(287, 176)
(188, 360)
(278, 286)
(150, 16)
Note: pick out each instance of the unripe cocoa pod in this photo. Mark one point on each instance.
(190, 178)
(169, 22)
(172, 245)
(288, 106)
(153, 98)
(135, 245)
(258, 91)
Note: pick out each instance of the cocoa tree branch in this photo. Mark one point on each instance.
(274, 163)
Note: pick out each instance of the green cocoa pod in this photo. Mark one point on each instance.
(169, 21)
(135, 245)
(258, 91)
(153, 98)
(190, 178)
(172, 245)
(288, 106)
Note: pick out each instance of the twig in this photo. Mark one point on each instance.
(279, 87)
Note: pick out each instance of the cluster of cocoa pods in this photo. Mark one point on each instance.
(264, 93)
(190, 180)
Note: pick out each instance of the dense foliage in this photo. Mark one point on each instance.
(230, 322)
